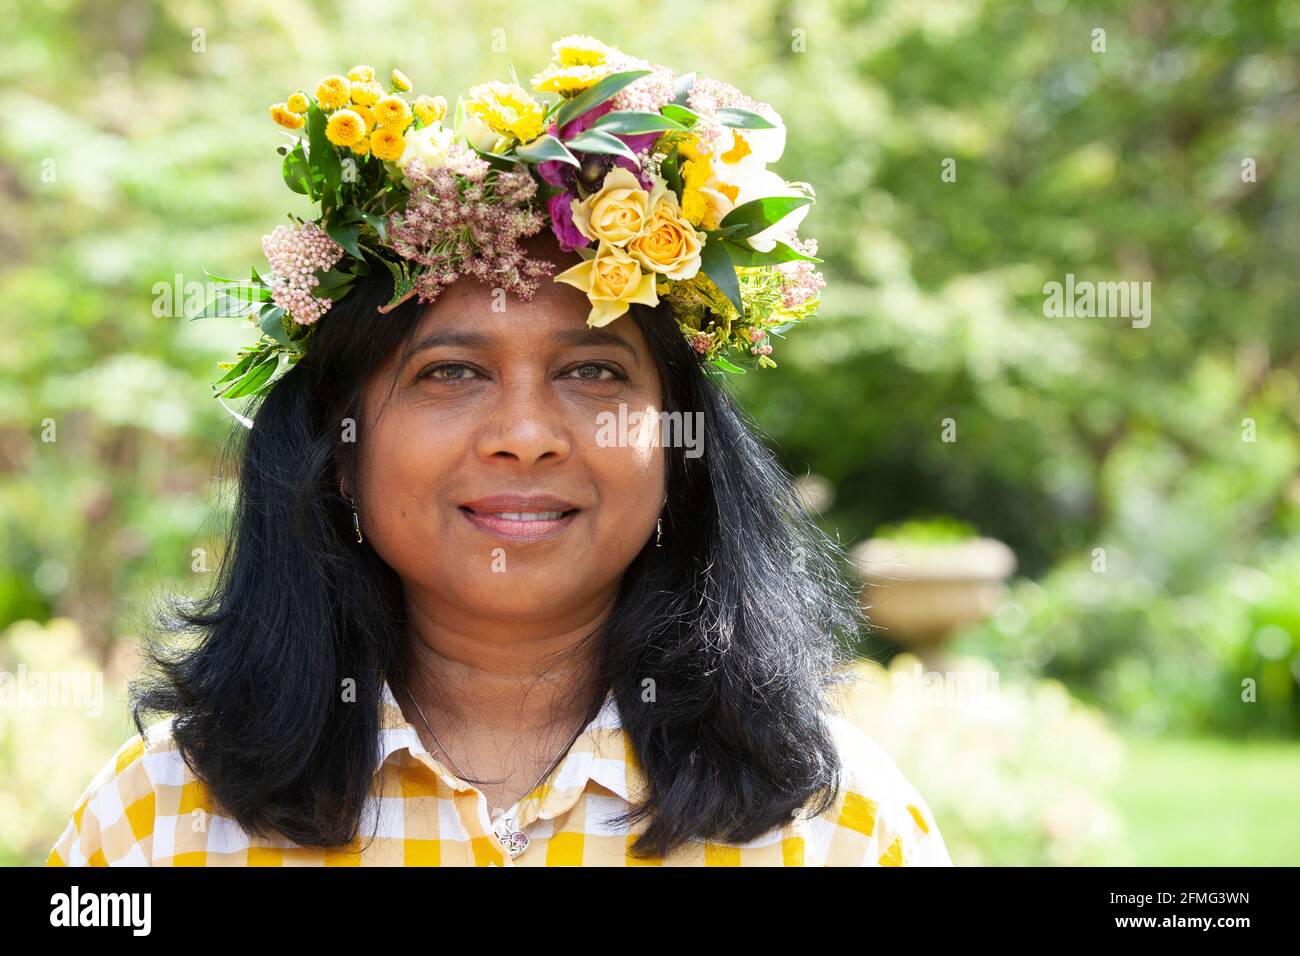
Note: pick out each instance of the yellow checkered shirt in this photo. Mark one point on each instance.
(145, 807)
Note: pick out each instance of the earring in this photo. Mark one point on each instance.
(659, 533)
(356, 521)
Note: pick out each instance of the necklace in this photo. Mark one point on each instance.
(512, 838)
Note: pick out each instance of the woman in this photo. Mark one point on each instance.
(469, 619)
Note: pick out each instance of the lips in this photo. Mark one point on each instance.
(520, 517)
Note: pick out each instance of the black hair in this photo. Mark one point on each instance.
(739, 623)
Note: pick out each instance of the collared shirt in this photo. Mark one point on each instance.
(145, 807)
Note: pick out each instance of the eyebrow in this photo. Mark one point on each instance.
(471, 340)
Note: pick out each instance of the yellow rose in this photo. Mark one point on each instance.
(613, 280)
(669, 245)
(616, 213)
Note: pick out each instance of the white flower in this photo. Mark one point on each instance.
(478, 134)
(429, 145)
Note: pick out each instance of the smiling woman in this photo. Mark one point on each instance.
(457, 626)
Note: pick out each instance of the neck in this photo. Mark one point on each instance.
(501, 677)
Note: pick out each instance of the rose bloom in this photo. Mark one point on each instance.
(669, 245)
(617, 212)
(613, 280)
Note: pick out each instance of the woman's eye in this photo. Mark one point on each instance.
(448, 372)
(595, 373)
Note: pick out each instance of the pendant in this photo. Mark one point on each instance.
(513, 841)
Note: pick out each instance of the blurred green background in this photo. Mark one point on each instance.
(1148, 647)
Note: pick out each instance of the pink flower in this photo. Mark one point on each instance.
(566, 232)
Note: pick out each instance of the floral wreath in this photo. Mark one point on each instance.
(658, 182)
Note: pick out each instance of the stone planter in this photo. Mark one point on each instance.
(920, 593)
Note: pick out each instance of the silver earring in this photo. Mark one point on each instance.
(659, 533)
(356, 521)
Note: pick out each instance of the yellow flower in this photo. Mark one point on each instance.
(366, 113)
(705, 199)
(286, 117)
(393, 112)
(616, 213)
(430, 109)
(333, 92)
(387, 143)
(613, 281)
(362, 148)
(400, 82)
(669, 245)
(362, 74)
(345, 128)
(297, 103)
(507, 110)
(366, 92)
(577, 62)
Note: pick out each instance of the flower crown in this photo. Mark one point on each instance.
(658, 182)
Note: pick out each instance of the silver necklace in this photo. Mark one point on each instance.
(514, 840)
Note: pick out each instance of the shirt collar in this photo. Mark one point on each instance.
(602, 754)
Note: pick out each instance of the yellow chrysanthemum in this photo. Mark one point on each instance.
(366, 92)
(333, 92)
(507, 110)
(366, 114)
(286, 117)
(345, 128)
(393, 112)
(387, 143)
(430, 109)
(400, 82)
(362, 148)
(362, 74)
(297, 103)
(578, 62)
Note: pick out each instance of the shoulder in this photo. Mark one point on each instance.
(113, 821)
(878, 817)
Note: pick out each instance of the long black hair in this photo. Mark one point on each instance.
(736, 628)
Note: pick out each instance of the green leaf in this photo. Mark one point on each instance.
(726, 366)
(597, 141)
(742, 254)
(297, 172)
(593, 97)
(742, 119)
(546, 148)
(716, 264)
(255, 378)
(239, 369)
(345, 236)
(680, 114)
(377, 223)
(225, 306)
(756, 215)
(671, 171)
(272, 324)
(247, 291)
(322, 158)
(635, 122)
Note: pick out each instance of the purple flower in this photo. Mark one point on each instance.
(562, 222)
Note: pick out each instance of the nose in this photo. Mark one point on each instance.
(525, 424)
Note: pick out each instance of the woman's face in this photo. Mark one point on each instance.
(487, 477)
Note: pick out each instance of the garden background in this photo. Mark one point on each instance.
(1147, 651)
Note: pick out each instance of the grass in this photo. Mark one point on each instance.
(1211, 802)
